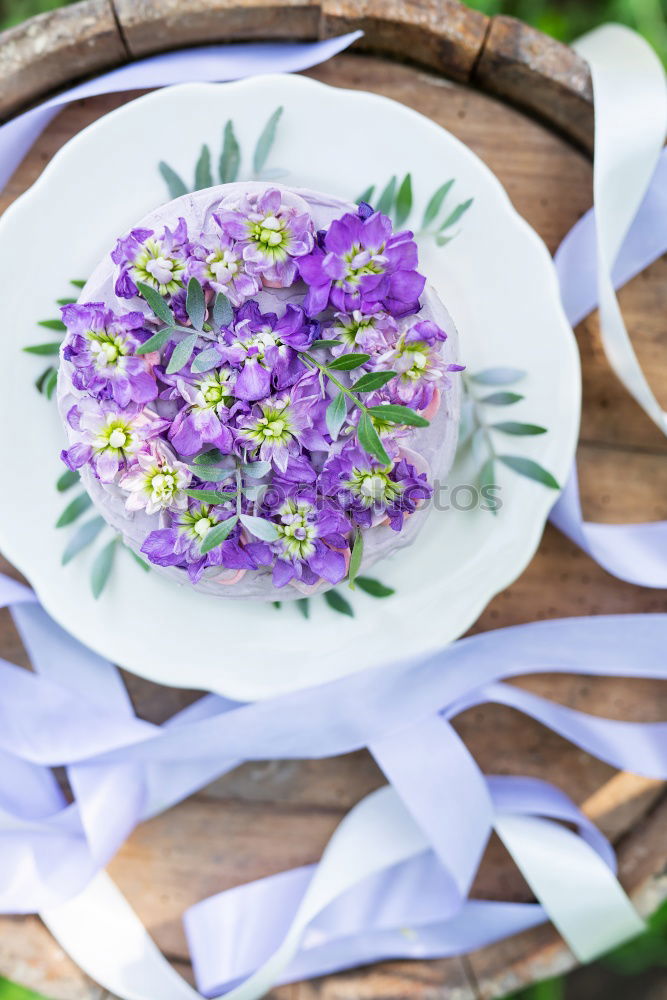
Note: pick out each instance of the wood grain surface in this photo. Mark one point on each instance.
(273, 815)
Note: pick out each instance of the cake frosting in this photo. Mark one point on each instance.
(256, 386)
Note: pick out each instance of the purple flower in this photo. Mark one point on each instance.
(270, 233)
(157, 482)
(366, 332)
(369, 492)
(156, 261)
(418, 360)
(309, 535)
(361, 264)
(275, 428)
(217, 261)
(109, 438)
(180, 544)
(205, 417)
(100, 345)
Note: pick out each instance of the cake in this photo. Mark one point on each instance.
(256, 384)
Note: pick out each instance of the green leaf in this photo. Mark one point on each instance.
(397, 414)
(336, 415)
(497, 376)
(195, 304)
(374, 587)
(530, 469)
(304, 606)
(211, 474)
(256, 470)
(230, 158)
(203, 175)
(78, 282)
(435, 203)
(346, 362)
(217, 535)
(206, 360)
(442, 241)
(210, 496)
(138, 560)
(67, 480)
(260, 527)
(487, 478)
(372, 380)
(366, 195)
(522, 430)
(322, 344)
(370, 441)
(403, 201)
(356, 557)
(101, 571)
(44, 349)
(456, 214)
(277, 605)
(50, 382)
(386, 199)
(175, 184)
(156, 342)
(86, 534)
(501, 398)
(12, 991)
(208, 457)
(52, 324)
(338, 603)
(222, 311)
(182, 354)
(156, 303)
(74, 509)
(265, 141)
(65, 302)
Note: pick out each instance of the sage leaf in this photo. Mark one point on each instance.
(67, 480)
(459, 211)
(182, 354)
(175, 184)
(78, 282)
(43, 350)
(102, 567)
(346, 362)
(217, 535)
(203, 175)
(156, 303)
(265, 141)
(86, 534)
(435, 203)
(206, 360)
(502, 398)
(336, 415)
(356, 557)
(47, 382)
(369, 439)
(52, 324)
(374, 587)
(397, 414)
(211, 473)
(366, 195)
(208, 457)
(338, 603)
(65, 302)
(371, 381)
(303, 605)
(223, 313)
(442, 241)
(498, 376)
(256, 470)
(386, 199)
(521, 430)
(73, 510)
(210, 496)
(322, 344)
(259, 527)
(230, 158)
(403, 201)
(195, 304)
(138, 560)
(156, 342)
(487, 479)
(530, 469)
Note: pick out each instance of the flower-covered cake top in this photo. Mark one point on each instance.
(245, 390)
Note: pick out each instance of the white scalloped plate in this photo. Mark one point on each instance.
(496, 278)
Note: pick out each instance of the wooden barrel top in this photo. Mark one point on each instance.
(470, 75)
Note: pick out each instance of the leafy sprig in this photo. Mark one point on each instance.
(46, 382)
(396, 201)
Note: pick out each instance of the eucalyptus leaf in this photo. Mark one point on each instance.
(210, 496)
(50, 382)
(102, 567)
(156, 303)
(366, 195)
(256, 470)
(454, 217)
(74, 509)
(530, 469)
(369, 439)
(322, 344)
(374, 587)
(203, 175)
(346, 362)
(52, 324)
(217, 535)
(518, 429)
(156, 342)
(86, 534)
(497, 376)
(206, 360)
(403, 201)
(138, 560)
(397, 414)
(303, 605)
(266, 141)
(259, 527)
(182, 354)
(211, 473)
(44, 350)
(501, 398)
(67, 480)
(230, 158)
(195, 304)
(208, 457)
(372, 380)
(356, 557)
(336, 415)
(435, 203)
(338, 603)
(386, 199)
(222, 311)
(175, 184)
